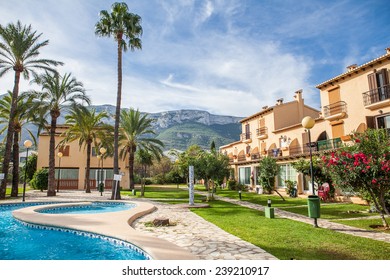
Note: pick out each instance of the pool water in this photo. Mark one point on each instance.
(93, 208)
(21, 242)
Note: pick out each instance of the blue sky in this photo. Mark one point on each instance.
(228, 57)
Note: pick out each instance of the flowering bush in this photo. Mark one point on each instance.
(363, 167)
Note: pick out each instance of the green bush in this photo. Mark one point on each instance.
(40, 179)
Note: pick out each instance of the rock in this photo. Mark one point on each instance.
(160, 222)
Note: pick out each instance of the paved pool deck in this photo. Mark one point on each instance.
(190, 236)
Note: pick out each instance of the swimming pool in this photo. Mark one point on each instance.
(91, 208)
(21, 241)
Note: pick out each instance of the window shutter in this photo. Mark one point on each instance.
(370, 122)
(64, 150)
(372, 81)
(385, 74)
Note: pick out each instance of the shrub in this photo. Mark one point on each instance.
(40, 179)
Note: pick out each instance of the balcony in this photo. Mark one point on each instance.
(246, 137)
(241, 158)
(335, 111)
(329, 144)
(262, 133)
(255, 156)
(377, 98)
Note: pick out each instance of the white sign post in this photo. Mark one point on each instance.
(117, 179)
(191, 181)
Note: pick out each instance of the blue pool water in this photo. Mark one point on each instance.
(93, 208)
(21, 242)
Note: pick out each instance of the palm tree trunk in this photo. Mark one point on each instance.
(87, 183)
(10, 133)
(117, 117)
(131, 167)
(51, 190)
(15, 166)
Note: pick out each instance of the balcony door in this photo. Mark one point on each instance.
(377, 82)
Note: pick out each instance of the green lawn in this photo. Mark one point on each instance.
(169, 194)
(283, 238)
(335, 210)
(288, 239)
(369, 224)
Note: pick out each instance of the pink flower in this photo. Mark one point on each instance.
(374, 181)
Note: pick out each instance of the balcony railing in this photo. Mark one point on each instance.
(335, 109)
(376, 95)
(241, 158)
(255, 156)
(262, 132)
(329, 144)
(246, 136)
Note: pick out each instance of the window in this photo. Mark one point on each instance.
(247, 131)
(287, 172)
(64, 150)
(244, 175)
(383, 122)
(67, 173)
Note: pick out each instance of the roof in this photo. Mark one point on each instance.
(356, 70)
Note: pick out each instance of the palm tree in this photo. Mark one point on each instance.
(22, 117)
(136, 131)
(57, 94)
(86, 127)
(145, 159)
(19, 51)
(122, 25)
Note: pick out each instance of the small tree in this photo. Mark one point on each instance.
(268, 171)
(364, 167)
(40, 179)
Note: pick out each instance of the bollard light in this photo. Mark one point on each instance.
(239, 194)
(269, 202)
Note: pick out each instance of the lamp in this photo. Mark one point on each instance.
(308, 123)
(102, 151)
(59, 154)
(28, 145)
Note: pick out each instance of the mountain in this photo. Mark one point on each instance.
(181, 128)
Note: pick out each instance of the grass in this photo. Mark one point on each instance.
(287, 239)
(369, 224)
(283, 238)
(333, 211)
(168, 194)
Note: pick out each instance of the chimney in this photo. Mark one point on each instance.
(298, 95)
(279, 101)
(387, 50)
(351, 67)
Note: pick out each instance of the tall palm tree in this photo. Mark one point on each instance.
(19, 51)
(122, 25)
(88, 128)
(136, 132)
(58, 93)
(21, 119)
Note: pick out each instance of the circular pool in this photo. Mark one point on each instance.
(90, 208)
(24, 241)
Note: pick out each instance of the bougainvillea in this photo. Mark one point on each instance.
(363, 167)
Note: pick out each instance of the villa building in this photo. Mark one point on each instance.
(71, 166)
(353, 101)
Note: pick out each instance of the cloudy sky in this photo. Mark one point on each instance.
(228, 57)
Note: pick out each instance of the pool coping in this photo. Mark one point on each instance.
(112, 224)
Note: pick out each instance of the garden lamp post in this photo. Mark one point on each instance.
(59, 170)
(28, 145)
(99, 172)
(308, 123)
(102, 151)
